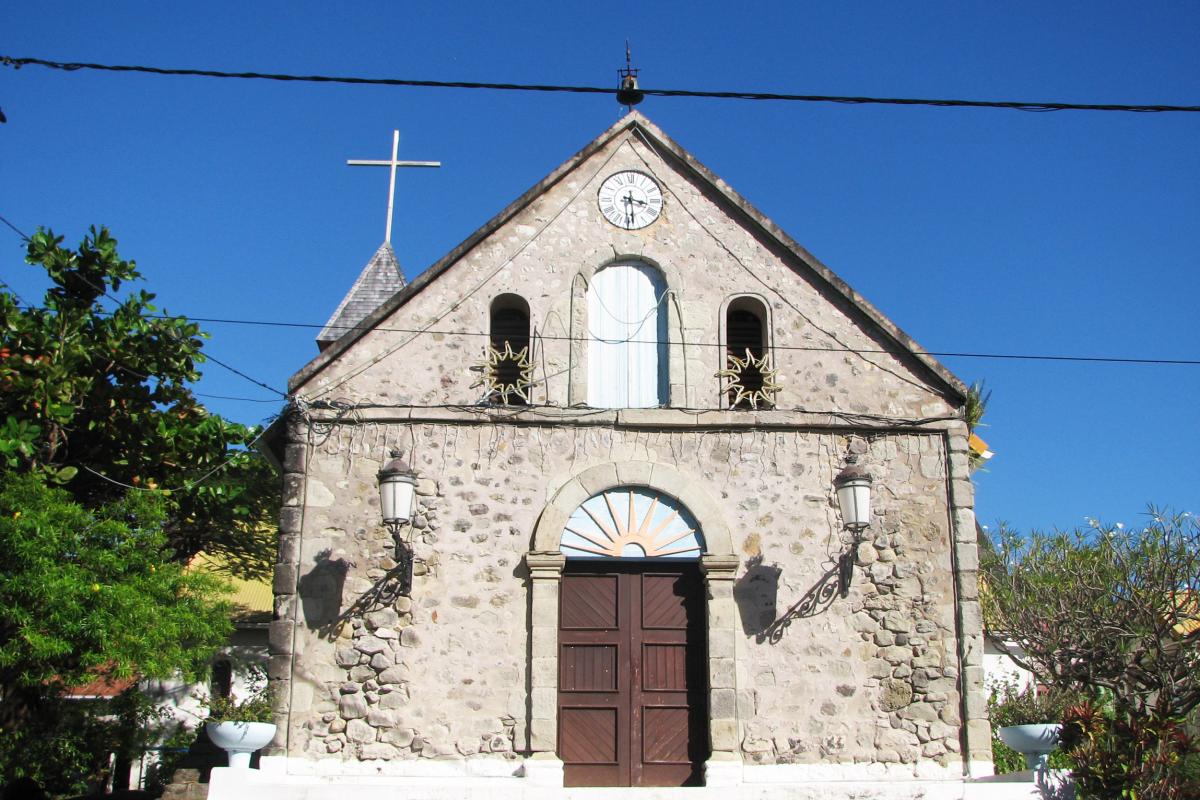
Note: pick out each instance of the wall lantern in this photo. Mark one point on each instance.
(397, 490)
(853, 485)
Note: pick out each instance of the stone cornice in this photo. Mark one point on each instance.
(631, 418)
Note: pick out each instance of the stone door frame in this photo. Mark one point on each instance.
(718, 564)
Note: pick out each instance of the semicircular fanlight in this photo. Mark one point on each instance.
(631, 522)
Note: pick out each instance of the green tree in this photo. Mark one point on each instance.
(87, 593)
(97, 398)
(1103, 608)
(1113, 614)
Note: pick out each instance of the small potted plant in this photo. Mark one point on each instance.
(1029, 720)
(242, 725)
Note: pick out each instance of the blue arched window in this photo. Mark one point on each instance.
(632, 522)
(627, 337)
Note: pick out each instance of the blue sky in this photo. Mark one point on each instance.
(1067, 233)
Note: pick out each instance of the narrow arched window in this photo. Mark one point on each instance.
(509, 354)
(627, 337)
(745, 352)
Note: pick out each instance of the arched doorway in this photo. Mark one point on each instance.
(632, 657)
(546, 563)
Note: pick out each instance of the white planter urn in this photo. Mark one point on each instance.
(240, 739)
(1032, 741)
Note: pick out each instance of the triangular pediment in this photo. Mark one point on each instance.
(580, 169)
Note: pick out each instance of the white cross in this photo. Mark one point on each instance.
(392, 186)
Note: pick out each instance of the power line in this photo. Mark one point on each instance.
(1015, 105)
(205, 356)
(1190, 362)
(18, 231)
(238, 372)
(801, 348)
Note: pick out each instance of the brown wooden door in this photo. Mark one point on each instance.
(632, 683)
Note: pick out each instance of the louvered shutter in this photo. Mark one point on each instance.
(627, 332)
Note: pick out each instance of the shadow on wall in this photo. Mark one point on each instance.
(321, 595)
(321, 591)
(757, 593)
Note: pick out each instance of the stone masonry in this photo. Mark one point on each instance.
(464, 669)
(872, 678)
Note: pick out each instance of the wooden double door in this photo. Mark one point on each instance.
(632, 674)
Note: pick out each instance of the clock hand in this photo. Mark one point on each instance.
(629, 199)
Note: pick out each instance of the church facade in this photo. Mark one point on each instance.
(625, 403)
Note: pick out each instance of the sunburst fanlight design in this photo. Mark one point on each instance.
(631, 523)
(500, 364)
(751, 380)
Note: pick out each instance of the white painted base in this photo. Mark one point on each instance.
(544, 770)
(467, 779)
(723, 770)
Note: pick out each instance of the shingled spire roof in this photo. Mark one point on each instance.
(380, 279)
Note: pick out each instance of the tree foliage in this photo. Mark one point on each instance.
(72, 745)
(97, 398)
(87, 593)
(1103, 608)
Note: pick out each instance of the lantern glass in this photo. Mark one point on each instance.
(396, 492)
(854, 498)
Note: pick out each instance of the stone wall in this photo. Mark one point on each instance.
(876, 676)
(830, 357)
(868, 678)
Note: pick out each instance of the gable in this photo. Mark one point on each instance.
(833, 349)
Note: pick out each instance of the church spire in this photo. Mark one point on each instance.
(381, 277)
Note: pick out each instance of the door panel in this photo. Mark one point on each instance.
(590, 736)
(632, 675)
(592, 603)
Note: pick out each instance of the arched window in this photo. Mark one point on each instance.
(509, 356)
(632, 522)
(745, 341)
(627, 337)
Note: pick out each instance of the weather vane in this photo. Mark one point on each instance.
(628, 93)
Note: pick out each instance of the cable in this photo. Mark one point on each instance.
(102, 291)
(1189, 362)
(800, 348)
(19, 232)
(1015, 105)
(238, 372)
(560, 413)
(187, 485)
(479, 285)
(239, 399)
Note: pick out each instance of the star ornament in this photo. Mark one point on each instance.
(739, 373)
(494, 368)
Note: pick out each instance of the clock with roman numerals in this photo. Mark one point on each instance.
(630, 199)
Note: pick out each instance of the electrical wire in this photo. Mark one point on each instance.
(18, 231)
(800, 348)
(343, 408)
(1014, 105)
(187, 485)
(204, 356)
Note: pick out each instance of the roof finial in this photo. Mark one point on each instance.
(628, 94)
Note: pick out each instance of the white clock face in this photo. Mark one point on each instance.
(630, 199)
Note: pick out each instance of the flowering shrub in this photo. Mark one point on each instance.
(1143, 758)
(1008, 704)
(256, 706)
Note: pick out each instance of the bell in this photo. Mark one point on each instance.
(629, 94)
